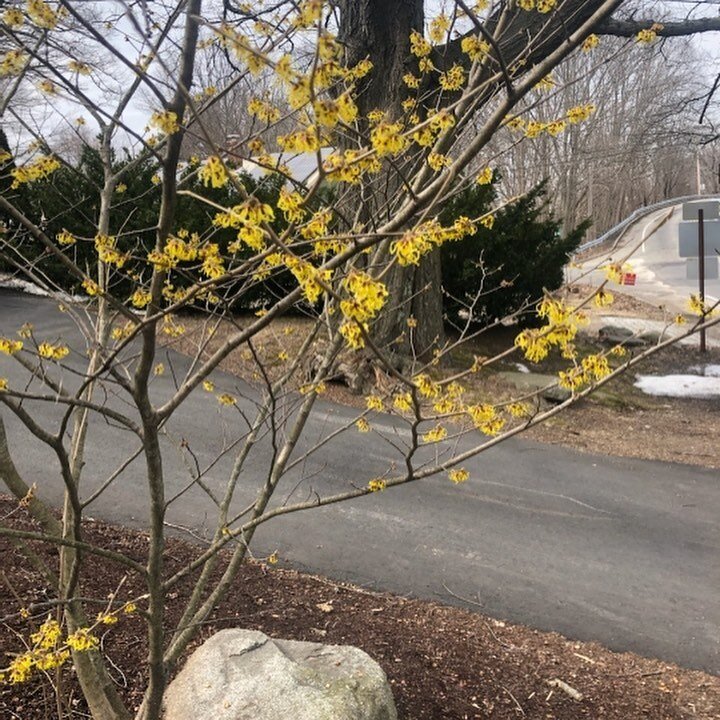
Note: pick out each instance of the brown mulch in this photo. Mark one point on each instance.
(442, 662)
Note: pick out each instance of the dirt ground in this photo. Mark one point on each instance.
(442, 662)
(621, 420)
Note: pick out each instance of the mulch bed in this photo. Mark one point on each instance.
(442, 662)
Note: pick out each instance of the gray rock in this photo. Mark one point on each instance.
(616, 335)
(531, 382)
(245, 675)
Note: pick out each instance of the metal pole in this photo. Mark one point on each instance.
(701, 272)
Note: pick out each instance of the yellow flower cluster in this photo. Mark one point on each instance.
(590, 43)
(13, 17)
(367, 297)
(485, 177)
(39, 169)
(263, 110)
(329, 112)
(140, 298)
(213, 265)
(561, 327)
(437, 434)
(291, 205)
(474, 47)
(419, 46)
(42, 14)
(542, 6)
(388, 138)
(592, 369)
(47, 651)
(213, 172)
(402, 402)
(78, 67)
(10, 347)
(415, 243)
(106, 247)
(647, 36)
(317, 226)
(305, 140)
(165, 121)
(453, 79)
(362, 425)
(65, 238)
(308, 276)
(91, 287)
(52, 352)
(486, 418)
(580, 113)
(377, 485)
(458, 475)
(12, 62)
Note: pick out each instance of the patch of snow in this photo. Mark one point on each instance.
(10, 282)
(679, 386)
(712, 371)
(522, 368)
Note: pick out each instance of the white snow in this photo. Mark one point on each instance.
(680, 386)
(522, 368)
(712, 371)
(15, 283)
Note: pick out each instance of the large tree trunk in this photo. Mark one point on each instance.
(380, 30)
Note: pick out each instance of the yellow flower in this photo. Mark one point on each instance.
(362, 425)
(590, 42)
(402, 402)
(226, 399)
(377, 485)
(485, 177)
(52, 352)
(374, 402)
(38, 169)
(419, 46)
(458, 475)
(140, 298)
(91, 287)
(47, 635)
(10, 347)
(646, 36)
(208, 385)
(82, 640)
(159, 369)
(213, 172)
(13, 17)
(453, 79)
(437, 434)
(698, 306)
(474, 47)
(41, 14)
(387, 139)
(518, 410)
(107, 619)
(166, 121)
(603, 298)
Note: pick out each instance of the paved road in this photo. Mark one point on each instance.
(624, 552)
(661, 272)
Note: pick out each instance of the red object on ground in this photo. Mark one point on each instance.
(628, 278)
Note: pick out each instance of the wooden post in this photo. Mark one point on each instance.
(701, 273)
